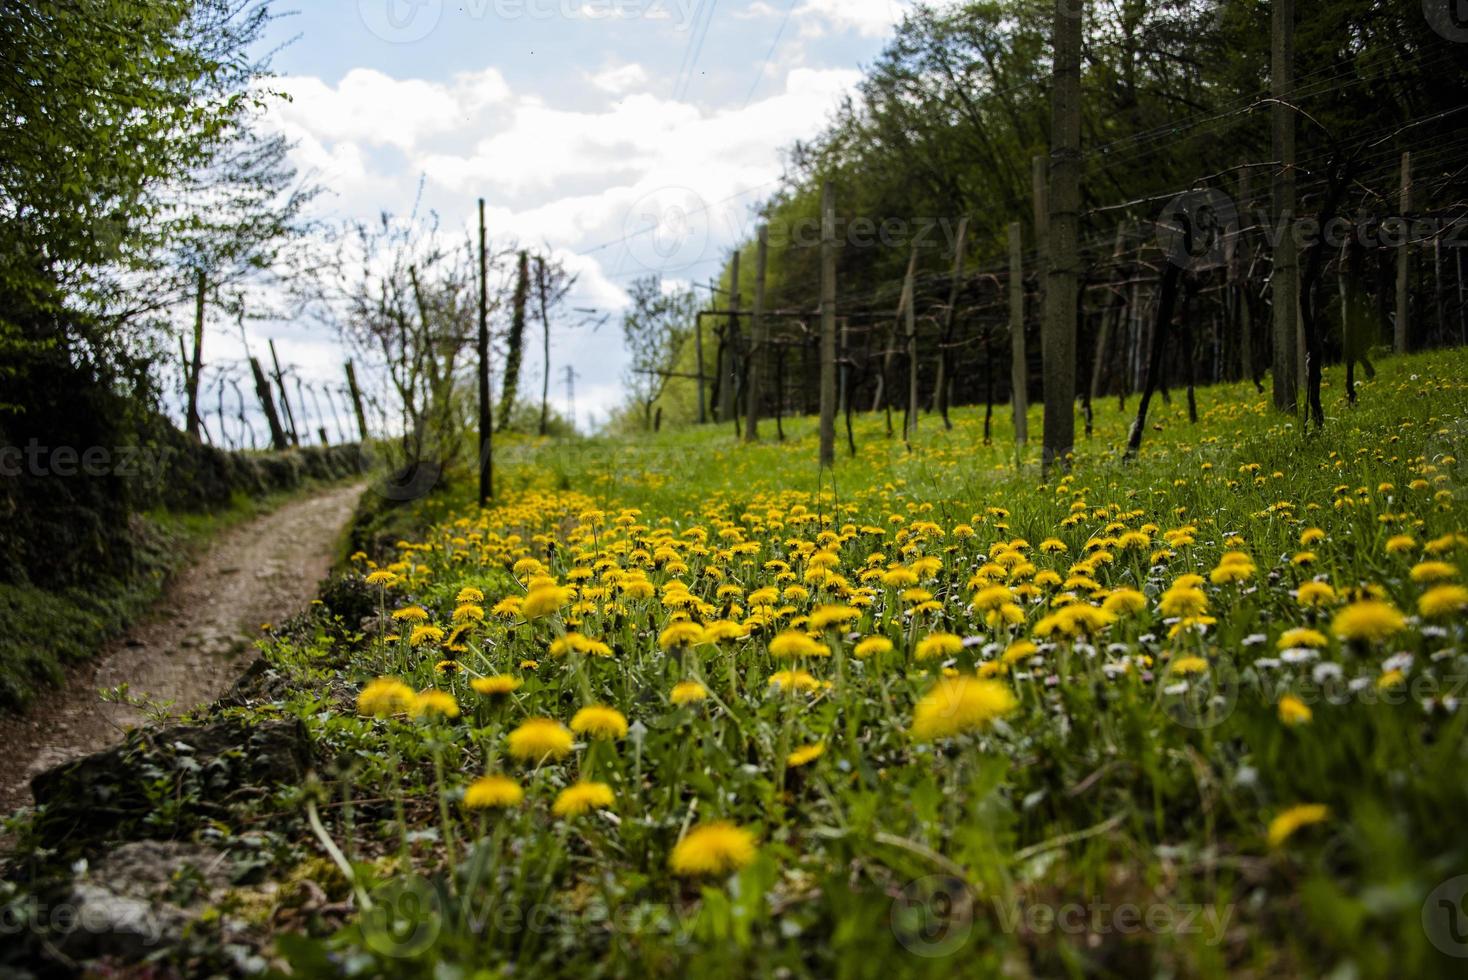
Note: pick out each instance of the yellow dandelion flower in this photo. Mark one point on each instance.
(826, 617)
(600, 722)
(792, 643)
(495, 685)
(538, 739)
(1315, 594)
(1443, 600)
(581, 798)
(804, 755)
(936, 645)
(1283, 826)
(688, 692)
(683, 634)
(1293, 711)
(422, 635)
(871, 645)
(544, 601)
(410, 614)
(1301, 636)
(1017, 651)
(794, 680)
(385, 696)
(1390, 679)
(960, 704)
(1367, 621)
(1433, 571)
(1183, 602)
(493, 793)
(1124, 602)
(1186, 666)
(434, 703)
(717, 848)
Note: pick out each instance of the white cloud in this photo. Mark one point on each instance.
(369, 107)
(661, 185)
(620, 80)
(868, 18)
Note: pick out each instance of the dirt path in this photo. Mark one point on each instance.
(191, 646)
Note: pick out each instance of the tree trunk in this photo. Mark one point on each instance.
(192, 423)
(1284, 287)
(1058, 342)
(486, 424)
(1400, 340)
(515, 349)
(545, 344)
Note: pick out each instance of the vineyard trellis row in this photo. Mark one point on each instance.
(1219, 322)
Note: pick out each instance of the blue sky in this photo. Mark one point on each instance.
(580, 121)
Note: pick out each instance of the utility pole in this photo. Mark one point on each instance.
(486, 424)
(571, 376)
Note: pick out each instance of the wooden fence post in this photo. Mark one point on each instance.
(757, 340)
(909, 301)
(955, 283)
(262, 391)
(356, 394)
(1019, 372)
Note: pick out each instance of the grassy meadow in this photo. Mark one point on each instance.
(680, 706)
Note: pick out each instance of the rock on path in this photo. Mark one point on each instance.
(193, 643)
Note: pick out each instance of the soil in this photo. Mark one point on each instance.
(193, 644)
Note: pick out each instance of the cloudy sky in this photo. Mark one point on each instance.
(629, 136)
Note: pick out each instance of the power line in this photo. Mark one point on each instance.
(790, 8)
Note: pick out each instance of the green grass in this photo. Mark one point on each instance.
(1115, 822)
